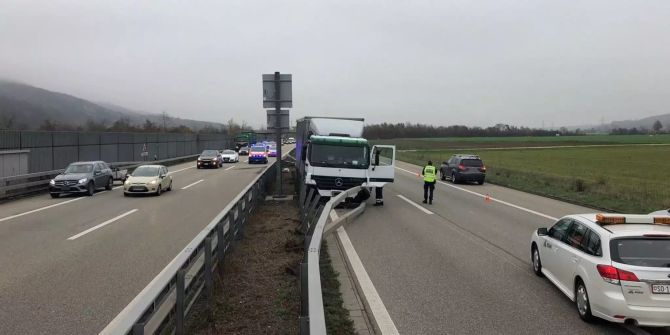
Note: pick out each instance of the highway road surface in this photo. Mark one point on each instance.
(70, 265)
(462, 265)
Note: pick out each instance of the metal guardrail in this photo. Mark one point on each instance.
(37, 182)
(162, 306)
(314, 217)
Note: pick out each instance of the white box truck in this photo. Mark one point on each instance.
(332, 156)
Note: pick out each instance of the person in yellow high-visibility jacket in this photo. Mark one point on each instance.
(429, 174)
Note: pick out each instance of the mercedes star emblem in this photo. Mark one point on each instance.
(339, 182)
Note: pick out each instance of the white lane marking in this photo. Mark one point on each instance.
(246, 160)
(491, 198)
(333, 215)
(191, 184)
(74, 237)
(180, 170)
(415, 204)
(117, 187)
(229, 168)
(39, 209)
(379, 312)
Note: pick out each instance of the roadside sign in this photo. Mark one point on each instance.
(270, 95)
(145, 152)
(283, 119)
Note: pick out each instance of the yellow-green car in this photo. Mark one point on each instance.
(148, 179)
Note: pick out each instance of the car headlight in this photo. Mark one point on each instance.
(153, 182)
(82, 180)
(127, 182)
(52, 182)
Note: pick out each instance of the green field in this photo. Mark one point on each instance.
(503, 142)
(623, 178)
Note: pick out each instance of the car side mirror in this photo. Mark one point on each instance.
(542, 232)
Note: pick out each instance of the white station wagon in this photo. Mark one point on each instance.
(613, 266)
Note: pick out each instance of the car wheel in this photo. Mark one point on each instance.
(582, 301)
(170, 186)
(159, 191)
(480, 181)
(54, 195)
(453, 178)
(90, 189)
(537, 263)
(110, 184)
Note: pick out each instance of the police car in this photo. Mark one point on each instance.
(613, 266)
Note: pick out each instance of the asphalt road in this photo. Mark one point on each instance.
(465, 268)
(52, 285)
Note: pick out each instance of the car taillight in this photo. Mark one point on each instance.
(482, 169)
(461, 167)
(614, 276)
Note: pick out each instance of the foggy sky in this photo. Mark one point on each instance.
(441, 62)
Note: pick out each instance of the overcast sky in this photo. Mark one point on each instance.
(440, 62)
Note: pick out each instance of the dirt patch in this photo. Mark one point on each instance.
(258, 293)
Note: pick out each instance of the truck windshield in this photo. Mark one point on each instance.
(325, 155)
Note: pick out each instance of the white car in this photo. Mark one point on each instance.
(613, 266)
(230, 156)
(661, 212)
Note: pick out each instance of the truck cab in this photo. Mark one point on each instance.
(336, 163)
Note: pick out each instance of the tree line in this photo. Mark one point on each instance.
(417, 130)
(125, 125)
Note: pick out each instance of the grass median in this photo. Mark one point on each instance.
(632, 179)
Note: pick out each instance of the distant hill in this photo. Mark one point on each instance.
(644, 123)
(27, 107)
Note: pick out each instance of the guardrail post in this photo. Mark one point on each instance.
(221, 244)
(180, 304)
(209, 280)
(138, 328)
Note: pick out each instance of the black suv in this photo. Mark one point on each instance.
(82, 177)
(461, 168)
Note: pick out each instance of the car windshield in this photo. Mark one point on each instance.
(472, 162)
(209, 153)
(257, 149)
(228, 152)
(641, 251)
(146, 171)
(326, 155)
(79, 168)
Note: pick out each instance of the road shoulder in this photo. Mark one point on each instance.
(350, 296)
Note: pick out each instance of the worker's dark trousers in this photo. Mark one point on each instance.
(426, 188)
(378, 194)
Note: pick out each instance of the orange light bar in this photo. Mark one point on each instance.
(609, 219)
(662, 220)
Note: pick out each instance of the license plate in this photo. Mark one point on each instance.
(660, 289)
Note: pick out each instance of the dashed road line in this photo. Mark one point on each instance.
(491, 198)
(415, 204)
(228, 168)
(39, 209)
(191, 184)
(74, 237)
